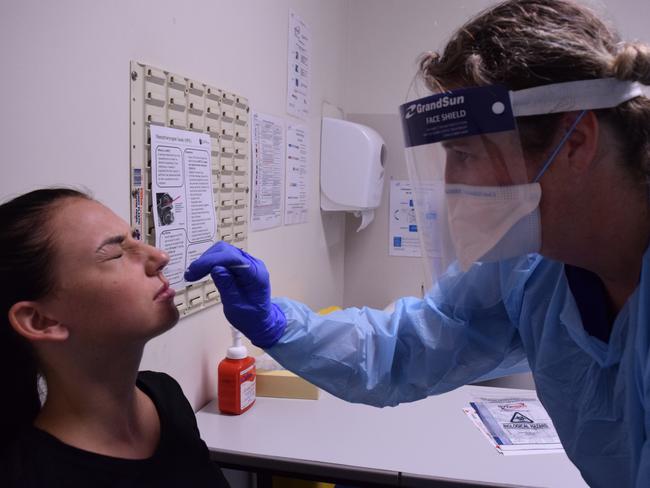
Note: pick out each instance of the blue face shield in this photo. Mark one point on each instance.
(474, 198)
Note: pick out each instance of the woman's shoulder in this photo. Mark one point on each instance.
(158, 381)
(160, 387)
(167, 395)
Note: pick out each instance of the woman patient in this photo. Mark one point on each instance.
(80, 299)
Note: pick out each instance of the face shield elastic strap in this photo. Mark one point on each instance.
(571, 96)
(557, 149)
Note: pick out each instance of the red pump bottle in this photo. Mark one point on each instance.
(236, 379)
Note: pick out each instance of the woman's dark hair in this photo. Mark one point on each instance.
(526, 43)
(26, 273)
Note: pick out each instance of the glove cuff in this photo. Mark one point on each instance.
(273, 328)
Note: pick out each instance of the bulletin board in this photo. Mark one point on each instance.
(161, 98)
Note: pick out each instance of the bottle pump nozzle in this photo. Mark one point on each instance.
(237, 350)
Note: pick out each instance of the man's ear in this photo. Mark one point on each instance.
(28, 319)
(582, 145)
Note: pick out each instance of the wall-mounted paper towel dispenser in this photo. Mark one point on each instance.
(351, 168)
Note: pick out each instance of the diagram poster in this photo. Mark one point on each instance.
(296, 205)
(182, 198)
(403, 229)
(299, 66)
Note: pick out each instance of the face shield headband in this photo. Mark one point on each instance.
(476, 200)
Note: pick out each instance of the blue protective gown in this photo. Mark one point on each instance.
(494, 320)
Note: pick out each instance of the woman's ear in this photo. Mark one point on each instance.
(582, 145)
(28, 319)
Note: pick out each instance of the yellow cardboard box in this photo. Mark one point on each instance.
(284, 384)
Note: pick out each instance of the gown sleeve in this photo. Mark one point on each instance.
(460, 332)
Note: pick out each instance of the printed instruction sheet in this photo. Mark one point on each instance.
(299, 66)
(268, 163)
(182, 199)
(403, 230)
(296, 202)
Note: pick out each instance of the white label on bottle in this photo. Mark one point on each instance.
(247, 386)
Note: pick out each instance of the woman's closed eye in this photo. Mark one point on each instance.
(110, 252)
(114, 247)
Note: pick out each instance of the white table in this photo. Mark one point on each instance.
(425, 443)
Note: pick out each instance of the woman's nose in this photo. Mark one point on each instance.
(156, 260)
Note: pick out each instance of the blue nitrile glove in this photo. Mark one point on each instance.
(243, 282)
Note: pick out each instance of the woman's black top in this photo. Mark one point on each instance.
(39, 459)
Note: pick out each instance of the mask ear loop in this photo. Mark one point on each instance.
(559, 146)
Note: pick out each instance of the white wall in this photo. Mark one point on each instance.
(65, 120)
(386, 37)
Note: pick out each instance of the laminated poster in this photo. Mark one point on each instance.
(299, 67)
(182, 198)
(404, 239)
(296, 204)
(268, 164)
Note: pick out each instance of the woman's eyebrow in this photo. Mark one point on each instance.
(111, 240)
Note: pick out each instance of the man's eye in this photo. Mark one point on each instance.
(117, 256)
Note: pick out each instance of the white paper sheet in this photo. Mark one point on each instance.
(403, 231)
(296, 202)
(299, 67)
(182, 199)
(268, 163)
